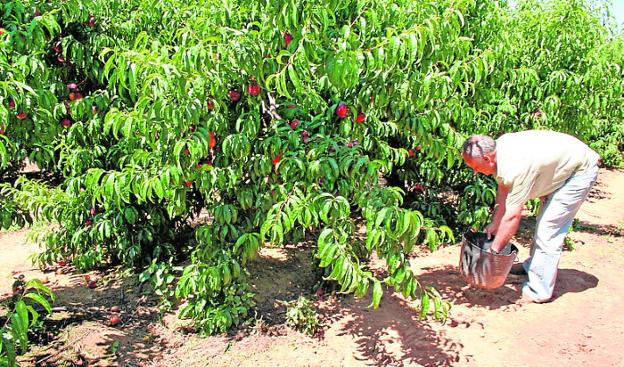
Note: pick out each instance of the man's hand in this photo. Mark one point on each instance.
(508, 227)
(490, 230)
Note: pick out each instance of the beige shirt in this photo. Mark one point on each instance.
(535, 163)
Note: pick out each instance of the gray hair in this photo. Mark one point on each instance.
(477, 146)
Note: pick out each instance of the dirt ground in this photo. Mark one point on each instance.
(582, 326)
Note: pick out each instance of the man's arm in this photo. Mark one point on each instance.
(499, 210)
(508, 226)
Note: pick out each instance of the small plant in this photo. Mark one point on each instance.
(568, 242)
(162, 278)
(24, 307)
(534, 206)
(301, 316)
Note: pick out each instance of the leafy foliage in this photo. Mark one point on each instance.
(29, 299)
(281, 119)
(301, 315)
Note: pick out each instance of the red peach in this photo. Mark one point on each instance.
(360, 117)
(287, 38)
(253, 89)
(234, 95)
(114, 320)
(342, 111)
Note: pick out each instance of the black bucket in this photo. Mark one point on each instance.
(481, 268)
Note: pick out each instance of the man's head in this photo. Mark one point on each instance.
(479, 153)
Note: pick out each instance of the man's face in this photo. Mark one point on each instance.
(485, 164)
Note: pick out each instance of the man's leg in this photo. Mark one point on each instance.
(527, 262)
(551, 228)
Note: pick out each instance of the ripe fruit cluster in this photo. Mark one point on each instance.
(74, 93)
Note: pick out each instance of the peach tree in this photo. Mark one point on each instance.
(195, 133)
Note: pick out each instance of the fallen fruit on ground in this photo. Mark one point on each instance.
(114, 320)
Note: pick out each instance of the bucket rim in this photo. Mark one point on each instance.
(514, 248)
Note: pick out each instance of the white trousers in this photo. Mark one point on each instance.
(552, 225)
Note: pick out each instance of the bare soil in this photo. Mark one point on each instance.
(582, 326)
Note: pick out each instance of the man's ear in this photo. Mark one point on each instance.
(489, 158)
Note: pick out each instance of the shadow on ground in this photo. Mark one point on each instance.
(599, 229)
(389, 336)
(80, 332)
(392, 335)
(573, 281)
(281, 274)
(452, 287)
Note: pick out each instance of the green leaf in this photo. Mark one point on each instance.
(131, 214)
(424, 305)
(40, 300)
(377, 294)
